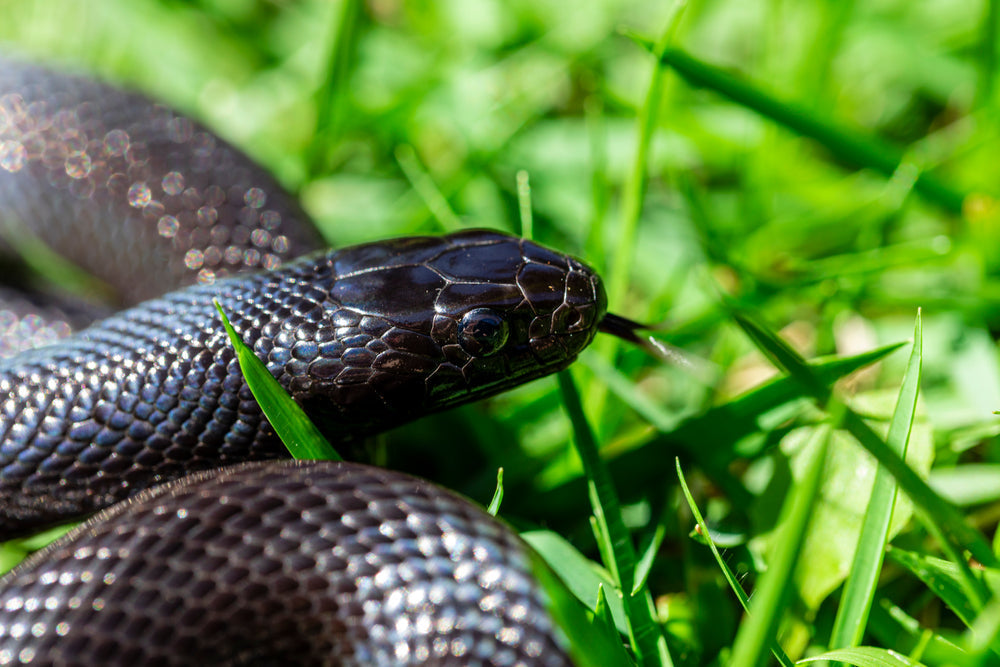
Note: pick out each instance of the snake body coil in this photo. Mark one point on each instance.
(287, 562)
(336, 563)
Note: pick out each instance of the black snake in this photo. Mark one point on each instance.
(319, 563)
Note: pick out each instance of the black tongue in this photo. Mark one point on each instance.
(627, 329)
(623, 328)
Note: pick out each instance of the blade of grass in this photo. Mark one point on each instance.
(815, 79)
(599, 529)
(625, 389)
(969, 484)
(945, 579)
(602, 610)
(635, 186)
(332, 93)
(859, 589)
(864, 656)
(497, 495)
(293, 426)
(944, 521)
(524, 204)
(582, 576)
(982, 636)
(593, 642)
(946, 517)
(599, 185)
(44, 261)
(645, 634)
(645, 564)
(739, 418)
(728, 423)
(894, 627)
(731, 579)
(14, 551)
(607, 510)
(427, 189)
(847, 144)
(970, 582)
(633, 195)
(988, 53)
(757, 631)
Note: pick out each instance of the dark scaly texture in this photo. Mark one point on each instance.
(282, 563)
(364, 338)
(131, 191)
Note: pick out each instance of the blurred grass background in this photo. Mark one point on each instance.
(390, 117)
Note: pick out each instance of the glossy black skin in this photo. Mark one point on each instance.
(240, 565)
(155, 392)
(283, 563)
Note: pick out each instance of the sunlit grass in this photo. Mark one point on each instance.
(818, 170)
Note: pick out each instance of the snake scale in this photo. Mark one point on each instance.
(219, 556)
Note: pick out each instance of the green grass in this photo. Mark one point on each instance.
(769, 182)
(302, 438)
(866, 568)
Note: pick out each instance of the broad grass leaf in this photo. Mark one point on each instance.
(865, 656)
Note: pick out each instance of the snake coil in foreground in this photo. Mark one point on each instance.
(239, 560)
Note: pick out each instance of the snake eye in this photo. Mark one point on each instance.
(482, 331)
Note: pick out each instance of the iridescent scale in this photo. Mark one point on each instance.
(306, 563)
(183, 205)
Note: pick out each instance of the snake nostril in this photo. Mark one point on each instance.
(566, 319)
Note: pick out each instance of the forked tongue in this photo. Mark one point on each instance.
(627, 330)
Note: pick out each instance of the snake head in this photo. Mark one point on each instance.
(419, 324)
